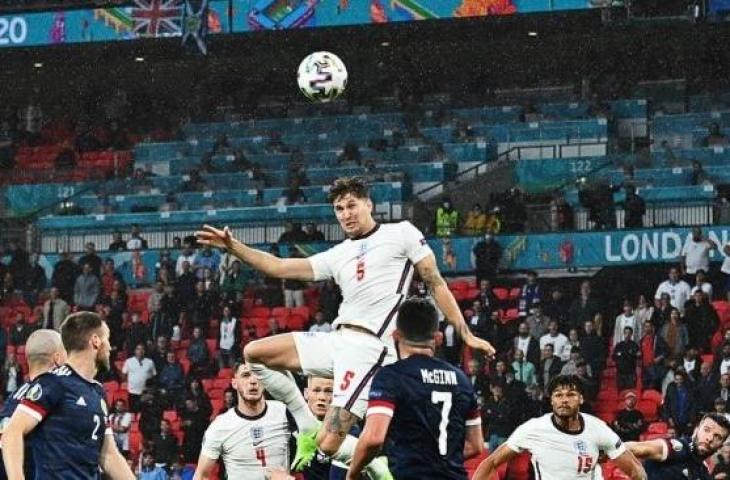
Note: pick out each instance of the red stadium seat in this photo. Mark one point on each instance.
(302, 311)
(519, 468)
(649, 409)
(225, 373)
(296, 322)
(653, 395)
(260, 322)
(111, 387)
(472, 464)
(207, 383)
(657, 427)
(221, 383)
(261, 312)
(280, 311)
(515, 293)
(459, 285)
(170, 415)
(212, 345)
(262, 332)
(502, 294)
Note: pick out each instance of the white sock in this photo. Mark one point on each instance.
(282, 387)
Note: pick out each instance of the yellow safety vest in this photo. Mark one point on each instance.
(446, 222)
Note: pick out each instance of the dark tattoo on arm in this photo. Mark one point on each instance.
(339, 421)
(432, 277)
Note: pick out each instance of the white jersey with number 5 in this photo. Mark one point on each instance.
(560, 455)
(249, 446)
(374, 272)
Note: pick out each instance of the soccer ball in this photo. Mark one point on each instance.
(322, 76)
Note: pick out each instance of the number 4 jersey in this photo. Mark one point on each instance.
(558, 454)
(72, 416)
(432, 403)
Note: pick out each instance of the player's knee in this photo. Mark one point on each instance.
(328, 442)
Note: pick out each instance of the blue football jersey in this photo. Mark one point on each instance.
(431, 403)
(7, 411)
(73, 422)
(682, 463)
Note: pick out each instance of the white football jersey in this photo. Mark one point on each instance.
(559, 455)
(249, 445)
(374, 273)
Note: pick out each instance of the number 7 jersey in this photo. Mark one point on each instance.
(432, 404)
(72, 415)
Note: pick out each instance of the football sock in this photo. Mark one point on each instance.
(282, 387)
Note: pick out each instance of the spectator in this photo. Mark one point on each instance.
(556, 307)
(137, 370)
(19, 265)
(187, 255)
(234, 282)
(478, 320)
(634, 208)
(530, 295)
(494, 221)
(703, 284)
(715, 137)
(118, 244)
(723, 390)
(120, 422)
(229, 339)
(158, 352)
(293, 233)
(487, 254)
(12, 374)
(21, 330)
(108, 276)
(205, 259)
(654, 350)
(180, 471)
(201, 307)
(136, 242)
(55, 311)
(629, 422)
(169, 311)
(644, 311)
(725, 267)
(198, 354)
(172, 378)
(486, 296)
(194, 423)
(557, 340)
(451, 346)
(319, 325)
(626, 319)
(497, 416)
(137, 334)
(593, 348)
(528, 344)
(64, 277)
(691, 364)
(447, 219)
(150, 414)
(570, 367)
(7, 146)
(294, 195)
(720, 407)
(675, 334)
(86, 289)
(186, 285)
(695, 254)
(590, 384)
(679, 408)
(626, 354)
(476, 221)
(706, 387)
(550, 366)
(35, 281)
(165, 444)
(149, 470)
(677, 289)
(584, 308)
(722, 362)
(154, 304)
(294, 289)
(661, 311)
(196, 392)
(313, 235)
(701, 320)
(524, 371)
(92, 259)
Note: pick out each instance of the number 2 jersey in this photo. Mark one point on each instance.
(558, 454)
(7, 411)
(432, 403)
(72, 415)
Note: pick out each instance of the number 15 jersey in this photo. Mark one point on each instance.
(73, 422)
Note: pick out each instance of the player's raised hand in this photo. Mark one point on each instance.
(481, 345)
(214, 237)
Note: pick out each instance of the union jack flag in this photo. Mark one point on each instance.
(157, 18)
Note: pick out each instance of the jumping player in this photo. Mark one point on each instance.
(682, 459)
(44, 351)
(251, 438)
(565, 443)
(66, 411)
(373, 268)
(425, 406)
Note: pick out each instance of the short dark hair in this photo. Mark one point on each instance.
(355, 186)
(417, 320)
(572, 382)
(719, 419)
(77, 328)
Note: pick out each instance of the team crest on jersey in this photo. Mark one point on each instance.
(581, 447)
(35, 393)
(257, 434)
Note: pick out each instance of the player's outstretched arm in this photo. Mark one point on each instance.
(20, 425)
(474, 442)
(649, 449)
(269, 265)
(204, 470)
(112, 462)
(429, 272)
(488, 468)
(628, 464)
(369, 444)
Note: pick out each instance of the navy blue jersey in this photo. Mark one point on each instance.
(5, 414)
(431, 403)
(73, 423)
(682, 463)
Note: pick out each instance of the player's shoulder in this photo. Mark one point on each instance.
(225, 421)
(275, 409)
(593, 423)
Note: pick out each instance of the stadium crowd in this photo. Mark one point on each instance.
(654, 369)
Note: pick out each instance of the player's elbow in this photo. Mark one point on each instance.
(473, 449)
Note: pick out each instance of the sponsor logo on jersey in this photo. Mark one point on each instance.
(35, 393)
(81, 402)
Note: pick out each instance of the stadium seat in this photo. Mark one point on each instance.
(111, 387)
(221, 383)
(472, 464)
(519, 468)
(461, 285)
(225, 373)
(169, 415)
(260, 322)
(515, 293)
(502, 294)
(207, 383)
(302, 311)
(296, 322)
(649, 409)
(652, 395)
(262, 332)
(280, 311)
(657, 427)
(260, 312)
(212, 344)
